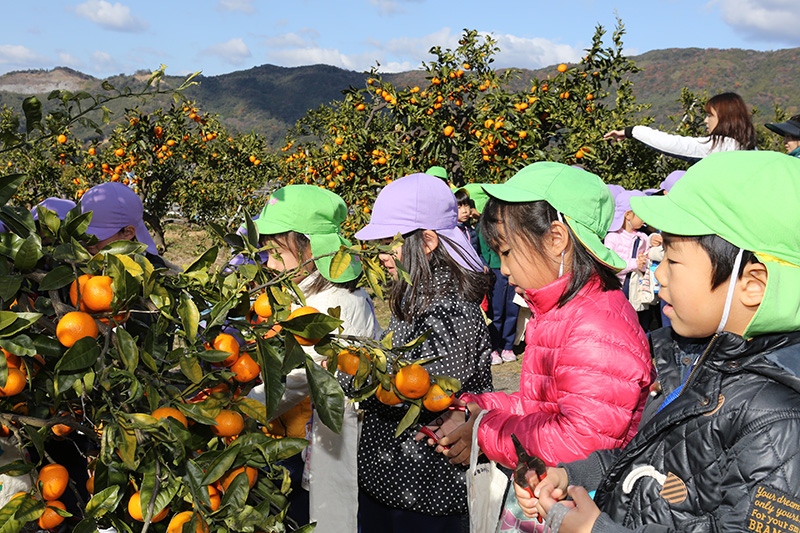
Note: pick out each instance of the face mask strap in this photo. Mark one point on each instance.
(731, 286)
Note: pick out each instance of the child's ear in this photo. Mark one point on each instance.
(559, 237)
(128, 233)
(753, 283)
(430, 240)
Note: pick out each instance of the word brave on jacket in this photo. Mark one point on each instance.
(773, 512)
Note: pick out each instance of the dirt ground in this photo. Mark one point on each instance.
(187, 242)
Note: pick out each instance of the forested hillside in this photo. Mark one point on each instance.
(268, 99)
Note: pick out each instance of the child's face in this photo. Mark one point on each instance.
(388, 260)
(284, 259)
(685, 277)
(633, 220)
(464, 211)
(524, 266)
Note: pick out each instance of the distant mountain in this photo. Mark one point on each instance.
(268, 99)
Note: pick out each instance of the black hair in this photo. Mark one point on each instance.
(408, 299)
(462, 197)
(721, 253)
(529, 222)
(298, 244)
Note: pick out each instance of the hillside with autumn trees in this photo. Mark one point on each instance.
(269, 99)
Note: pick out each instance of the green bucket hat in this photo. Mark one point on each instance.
(580, 196)
(316, 213)
(750, 199)
(437, 171)
(477, 195)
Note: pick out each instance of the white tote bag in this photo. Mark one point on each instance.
(486, 487)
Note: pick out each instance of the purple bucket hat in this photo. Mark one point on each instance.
(420, 201)
(60, 206)
(614, 189)
(671, 180)
(622, 203)
(115, 206)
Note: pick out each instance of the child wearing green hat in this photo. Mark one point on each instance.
(300, 224)
(586, 369)
(718, 446)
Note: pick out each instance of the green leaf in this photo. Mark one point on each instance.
(168, 487)
(22, 321)
(205, 261)
(16, 468)
(411, 417)
(124, 248)
(341, 260)
(29, 253)
(82, 355)
(294, 356)
(87, 525)
(104, 501)
(237, 491)
(32, 107)
(127, 349)
(190, 316)
(271, 374)
(191, 368)
(9, 185)
(18, 219)
(61, 276)
(278, 449)
(254, 409)
(9, 286)
(312, 326)
(327, 395)
(213, 356)
(221, 464)
(36, 436)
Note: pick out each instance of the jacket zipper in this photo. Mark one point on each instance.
(699, 362)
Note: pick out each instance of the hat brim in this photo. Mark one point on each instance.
(509, 193)
(662, 213)
(372, 231)
(324, 247)
(594, 245)
(784, 128)
(461, 249)
(269, 227)
(142, 234)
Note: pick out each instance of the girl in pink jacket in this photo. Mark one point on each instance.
(586, 370)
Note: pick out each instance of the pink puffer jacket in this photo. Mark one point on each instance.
(585, 377)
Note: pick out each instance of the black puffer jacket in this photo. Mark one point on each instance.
(723, 456)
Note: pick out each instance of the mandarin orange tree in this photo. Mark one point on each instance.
(468, 119)
(133, 390)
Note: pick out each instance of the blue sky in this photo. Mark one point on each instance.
(102, 38)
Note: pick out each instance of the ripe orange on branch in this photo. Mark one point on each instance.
(170, 412)
(225, 342)
(301, 311)
(74, 326)
(413, 381)
(183, 518)
(53, 481)
(230, 475)
(137, 509)
(262, 307)
(229, 424)
(437, 399)
(387, 397)
(347, 362)
(97, 294)
(50, 519)
(15, 383)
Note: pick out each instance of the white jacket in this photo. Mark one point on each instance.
(680, 146)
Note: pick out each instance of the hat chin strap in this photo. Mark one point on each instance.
(561, 266)
(726, 311)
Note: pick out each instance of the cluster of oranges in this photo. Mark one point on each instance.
(52, 482)
(88, 294)
(243, 366)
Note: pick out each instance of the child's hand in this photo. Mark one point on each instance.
(616, 135)
(641, 262)
(583, 513)
(555, 483)
(656, 240)
(443, 425)
(456, 444)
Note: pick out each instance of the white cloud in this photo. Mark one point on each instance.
(233, 52)
(244, 6)
(68, 60)
(116, 17)
(767, 20)
(102, 63)
(391, 7)
(18, 55)
(533, 52)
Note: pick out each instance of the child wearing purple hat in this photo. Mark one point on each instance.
(117, 215)
(631, 245)
(404, 484)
